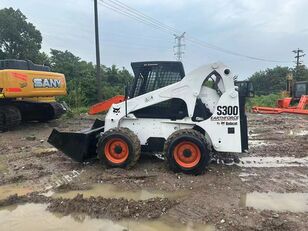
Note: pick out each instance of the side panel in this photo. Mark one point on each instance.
(146, 128)
(20, 84)
(224, 126)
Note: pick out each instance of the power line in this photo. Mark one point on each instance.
(131, 36)
(131, 12)
(299, 54)
(200, 43)
(134, 16)
(139, 13)
(179, 45)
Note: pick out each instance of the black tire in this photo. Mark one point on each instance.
(124, 136)
(194, 139)
(10, 117)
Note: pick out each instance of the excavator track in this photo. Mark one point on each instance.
(13, 112)
(58, 110)
(40, 111)
(10, 117)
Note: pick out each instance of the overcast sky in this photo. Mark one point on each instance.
(268, 29)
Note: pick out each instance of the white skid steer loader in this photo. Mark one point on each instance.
(186, 118)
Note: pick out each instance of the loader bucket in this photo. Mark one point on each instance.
(80, 146)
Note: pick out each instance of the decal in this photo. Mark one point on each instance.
(116, 110)
(231, 123)
(20, 76)
(23, 85)
(46, 83)
(224, 118)
(227, 110)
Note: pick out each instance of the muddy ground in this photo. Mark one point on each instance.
(219, 197)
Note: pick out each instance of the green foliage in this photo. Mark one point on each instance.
(81, 80)
(300, 73)
(270, 81)
(273, 81)
(263, 100)
(76, 111)
(19, 39)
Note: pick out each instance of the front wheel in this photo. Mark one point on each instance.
(119, 147)
(187, 151)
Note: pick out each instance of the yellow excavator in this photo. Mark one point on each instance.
(27, 93)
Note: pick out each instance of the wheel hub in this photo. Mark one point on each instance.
(118, 149)
(187, 153)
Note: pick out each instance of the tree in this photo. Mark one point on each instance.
(19, 39)
(300, 73)
(80, 78)
(274, 80)
(270, 81)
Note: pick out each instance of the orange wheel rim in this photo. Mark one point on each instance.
(116, 151)
(187, 154)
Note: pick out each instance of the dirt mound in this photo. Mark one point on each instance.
(98, 207)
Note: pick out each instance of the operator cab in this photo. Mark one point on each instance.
(150, 76)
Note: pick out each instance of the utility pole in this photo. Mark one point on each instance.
(178, 47)
(299, 54)
(98, 59)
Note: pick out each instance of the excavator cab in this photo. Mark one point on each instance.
(27, 93)
(299, 89)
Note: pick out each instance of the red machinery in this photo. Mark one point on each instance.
(284, 107)
(105, 105)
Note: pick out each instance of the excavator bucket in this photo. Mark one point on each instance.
(80, 146)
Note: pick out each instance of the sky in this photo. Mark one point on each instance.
(267, 29)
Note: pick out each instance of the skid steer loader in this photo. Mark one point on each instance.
(186, 117)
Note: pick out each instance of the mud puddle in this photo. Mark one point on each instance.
(298, 133)
(272, 162)
(112, 191)
(8, 190)
(257, 143)
(291, 202)
(25, 217)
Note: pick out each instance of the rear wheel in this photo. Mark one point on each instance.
(187, 151)
(119, 147)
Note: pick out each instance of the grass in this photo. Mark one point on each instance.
(72, 112)
(263, 100)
